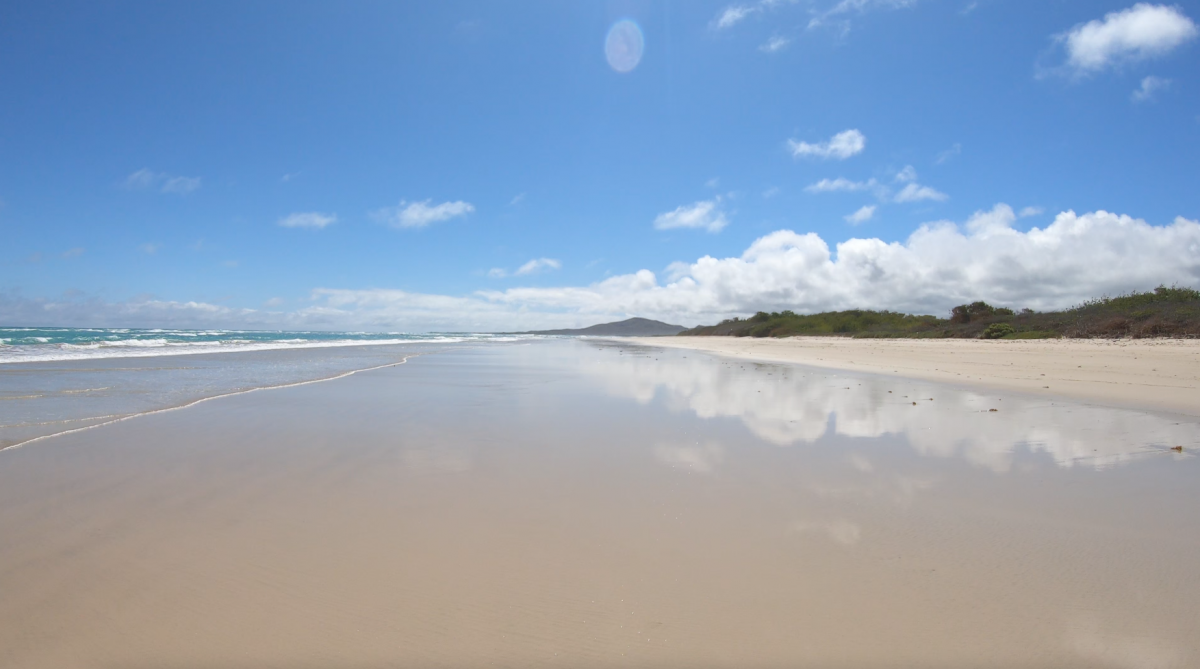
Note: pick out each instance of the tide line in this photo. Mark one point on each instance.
(205, 399)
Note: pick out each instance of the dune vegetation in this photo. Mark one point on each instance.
(1162, 312)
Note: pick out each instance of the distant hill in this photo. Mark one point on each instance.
(633, 327)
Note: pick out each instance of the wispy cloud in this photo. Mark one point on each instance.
(835, 15)
(538, 265)
(535, 266)
(733, 15)
(1031, 211)
(775, 44)
(1150, 87)
(517, 199)
(863, 215)
(840, 147)
(313, 220)
(145, 179)
(705, 214)
(840, 184)
(421, 214)
(948, 154)
(73, 252)
(1141, 32)
(150, 248)
(914, 192)
(181, 185)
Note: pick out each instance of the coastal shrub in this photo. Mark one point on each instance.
(997, 331)
(1161, 312)
(975, 311)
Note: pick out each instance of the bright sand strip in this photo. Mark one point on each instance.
(1156, 374)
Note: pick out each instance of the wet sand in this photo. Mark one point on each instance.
(597, 505)
(1157, 374)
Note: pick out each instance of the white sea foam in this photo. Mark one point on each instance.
(139, 348)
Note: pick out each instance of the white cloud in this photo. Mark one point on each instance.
(915, 192)
(843, 7)
(534, 266)
(308, 219)
(948, 154)
(166, 183)
(150, 248)
(704, 214)
(421, 214)
(714, 182)
(1138, 33)
(733, 15)
(841, 146)
(863, 215)
(840, 184)
(1150, 86)
(142, 178)
(774, 44)
(73, 252)
(181, 185)
(517, 199)
(770, 192)
(1074, 258)
(1031, 211)
(273, 302)
(537, 265)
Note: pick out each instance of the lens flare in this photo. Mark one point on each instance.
(623, 45)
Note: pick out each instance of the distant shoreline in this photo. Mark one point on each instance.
(1150, 374)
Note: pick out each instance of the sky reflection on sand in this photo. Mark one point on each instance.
(790, 404)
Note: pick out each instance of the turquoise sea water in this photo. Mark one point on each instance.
(54, 344)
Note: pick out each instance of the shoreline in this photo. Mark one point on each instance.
(1148, 374)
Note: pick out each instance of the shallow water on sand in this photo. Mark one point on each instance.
(568, 503)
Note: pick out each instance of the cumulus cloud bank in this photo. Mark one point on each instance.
(1076, 257)
(1140, 32)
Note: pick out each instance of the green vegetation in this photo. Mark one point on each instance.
(1162, 312)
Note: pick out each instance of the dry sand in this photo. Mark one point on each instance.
(1154, 374)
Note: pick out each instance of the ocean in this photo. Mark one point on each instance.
(54, 344)
(55, 380)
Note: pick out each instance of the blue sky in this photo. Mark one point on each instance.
(392, 165)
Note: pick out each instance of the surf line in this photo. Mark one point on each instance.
(205, 399)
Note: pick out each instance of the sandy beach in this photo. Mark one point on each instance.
(595, 504)
(1155, 374)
